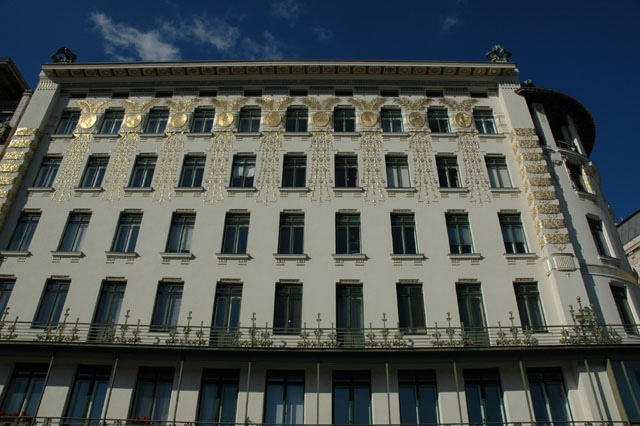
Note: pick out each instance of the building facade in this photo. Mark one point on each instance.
(629, 231)
(378, 243)
(14, 97)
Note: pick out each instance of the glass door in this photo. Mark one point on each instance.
(226, 314)
(350, 316)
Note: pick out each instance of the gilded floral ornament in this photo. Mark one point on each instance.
(317, 104)
(320, 177)
(273, 118)
(368, 118)
(183, 106)
(88, 107)
(416, 119)
(270, 104)
(119, 166)
(229, 105)
(424, 179)
(71, 167)
(88, 120)
(268, 176)
(462, 106)
(463, 120)
(165, 178)
(321, 118)
(216, 177)
(364, 105)
(178, 120)
(473, 165)
(131, 121)
(132, 106)
(373, 181)
(224, 119)
(413, 105)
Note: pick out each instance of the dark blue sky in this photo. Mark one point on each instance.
(587, 49)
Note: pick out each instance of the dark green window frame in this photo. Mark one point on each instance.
(68, 122)
(624, 309)
(181, 233)
(95, 171)
(346, 170)
(166, 310)
(351, 397)
(202, 120)
(344, 120)
(448, 175)
(397, 171)
(548, 395)
(23, 232)
(47, 172)
(249, 121)
(192, 171)
(418, 394)
(297, 119)
(219, 388)
(157, 121)
(294, 171)
(484, 121)
(513, 233)
(348, 233)
(484, 396)
(403, 233)
(284, 392)
(498, 172)
(236, 232)
(391, 119)
(291, 233)
(438, 120)
(529, 307)
(411, 315)
(51, 303)
(111, 122)
(472, 313)
(287, 313)
(127, 231)
(143, 170)
(597, 233)
(459, 232)
(243, 171)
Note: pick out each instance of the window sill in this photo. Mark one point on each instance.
(62, 136)
(443, 135)
(121, 255)
(465, 256)
(398, 134)
(490, 135)
(15, 253)
(398, 256)
(608, 260)
(343, 257)
(403, 189)
(67, 254)
(296, 133)
(189, 189)
(248, 134)
(294, 256)
(513, 190)
(587, 195)
(348, 189)
(459, 190)
(520, 256)
(88, 190)
(151, 135)
(170, 256)
(293, 189)
(240, 189)
(40, 189)
(346, 134)
(138, 189)
(107, 135)
(233, 256)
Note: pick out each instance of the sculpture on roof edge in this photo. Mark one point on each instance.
(498, 54)
(64, 55)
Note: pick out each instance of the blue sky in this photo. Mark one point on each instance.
(587, 49)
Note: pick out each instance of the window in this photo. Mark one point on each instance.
(218, 397)
(471, 310)
(236, 233)
(74, 232)
(418, 397)
(297, 120)
(484, 396)
(143, 171)
(344, 120)
(112, 122)
(346, 171)
(397, 171)
(167, 308)
(25, 388)
(403, 233)
(512, 233)
(598, 236)
(448, 172)
(288, 309)
(548, 395)
(529, 307)
(438, 120)
(284, 399)
(226, 313)
(576, 177)
(152, 394)
(108, 310)
(351, 397)
(94, 173)
(181, 232)
(498, 172)
(411, 308)
(68, 122)
(6, 286)
(202, 121)
(127, 233)
(294, 171)
(348, 234)
(157, 121)
(47, 173)
(484, 121)
(620, 297)
(249, 120)
(244, 169)
(192, 171)
(23, 233)
(563, 135)
(88, 394)
(391, 120)
(459, 233)
(51, 304)
(291, 236)
(350, 315)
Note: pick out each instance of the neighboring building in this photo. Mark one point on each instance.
(629, 231)
(14, 96)
(377, 243)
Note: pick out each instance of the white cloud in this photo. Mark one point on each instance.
(286, 9)
(269, 49)
(217, 33)
(322, 34)
(449, 22)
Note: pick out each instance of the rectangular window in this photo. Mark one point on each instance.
(438, 120)
(68, 122)
(288, 309)
(297, 120)
(88, 394)
(236, 233)
(167, 307)
(181, 232)
(107, 310)
(529, 307)
(548, 395)
(192, 171)
(157, 121)
(344, 120)
(459, 233)
(74, 232)
(25, 388)
(346, 171)
(152, 394)
(143, 171)
(218, 397)
(202, 121)
(471, 310)
(484, 396)
(411, 308)
(351, 398)
(391, 120)
(448, 172)
(94, 173)
(294, 171)
(397, 171)
(127, 233)
(348, 233)
(244, 169)
(51, 304)
(284, 398)
(23, 233)
(498, 172)
(403, 233)
(226, 314)
(418, 395)
(512, 233)
(624, 310)
(350, 315)
(47, 173)
(111, 122)
(291, 236)
(576, 177)
(249, 120)
(598, 237)
(6, 287)
(484, 121)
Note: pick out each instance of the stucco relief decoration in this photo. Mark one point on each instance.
(320, 177)
(165, 178)
(320, 110)
(18, 152)
(424, 179)
(180, 111)
(462, 106)
(473, 164)
(415, 108)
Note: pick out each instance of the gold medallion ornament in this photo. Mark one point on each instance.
(88, 120)
(179, 119)
(463, 119)
(132, 120)
(320, 118)
(225, 119)
(273, 118)
(416, 119)
(368, 118)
